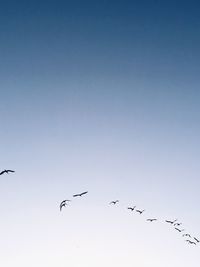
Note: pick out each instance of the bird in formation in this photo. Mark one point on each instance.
(64, 203)
(171, 222)
(6, 171)
(151, 220)
(140, 211)
(131, 208)
(186, 235)
(179, 230)
(190, 242)
(81, 194)
(196, 240)
(114, 202)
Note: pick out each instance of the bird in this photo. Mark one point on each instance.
(131, 208)
(151, 220)
(6, 171)
(196, 240)
(177, 224)
(140, 211)
(114, 202)
(81, 194)
(179, 230)
(186, 235)
(171, 222)
(64, 203)
(190, 242)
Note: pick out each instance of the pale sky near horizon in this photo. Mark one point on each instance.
(99, 96)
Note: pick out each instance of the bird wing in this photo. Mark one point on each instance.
(10, 171)
(77, 195)
(84, 193)
(2, 172)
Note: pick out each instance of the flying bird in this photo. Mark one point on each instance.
(6, 171)
(190, 242)
(64, 203)
(179, 230)
(177, 224)
(171, 222)
(81, 194)
(186, 235)
(151, 220)
(140, 211)
(131, 208)
(114, 202)
(196, 240)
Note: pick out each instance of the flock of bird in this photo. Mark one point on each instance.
(190, 239)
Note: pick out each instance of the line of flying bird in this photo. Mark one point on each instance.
(175, 223)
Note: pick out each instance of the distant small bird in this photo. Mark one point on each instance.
(179, 230)
(151, 220)
(177, 224)
(171, 222)
(114, 202)
(190, 242)
(81, 194)
(64, 201)
(140, 211)
(186, 235)
(6, 171)
(64, 204)
(131, 208)
(196, 240)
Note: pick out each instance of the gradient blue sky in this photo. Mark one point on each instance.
(100, 96)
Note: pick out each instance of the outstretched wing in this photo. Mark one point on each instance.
(10, 171)
(83, 193)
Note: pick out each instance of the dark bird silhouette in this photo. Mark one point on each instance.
(186, 235)
(64, 204)
(81, 194)
(64, 201)
(171, 222)
(6, 171)
(114, 202)
(140, 211)
(190, 242)
(131, 208)
(151, 220)
(196, 240)
(179, 230)
(177, 224)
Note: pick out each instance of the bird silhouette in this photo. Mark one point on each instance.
(196, 240)
(81, 194)
(131, 208)
(62, 204)
(6, 171)
(140, 211)
(171, 222)
(179, 230)
(114, 202)
(151, 220)
(186, 235)
(177, 224)
(190, 242)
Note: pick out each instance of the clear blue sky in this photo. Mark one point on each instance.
(100, 96)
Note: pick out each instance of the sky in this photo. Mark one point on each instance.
(99, 96)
